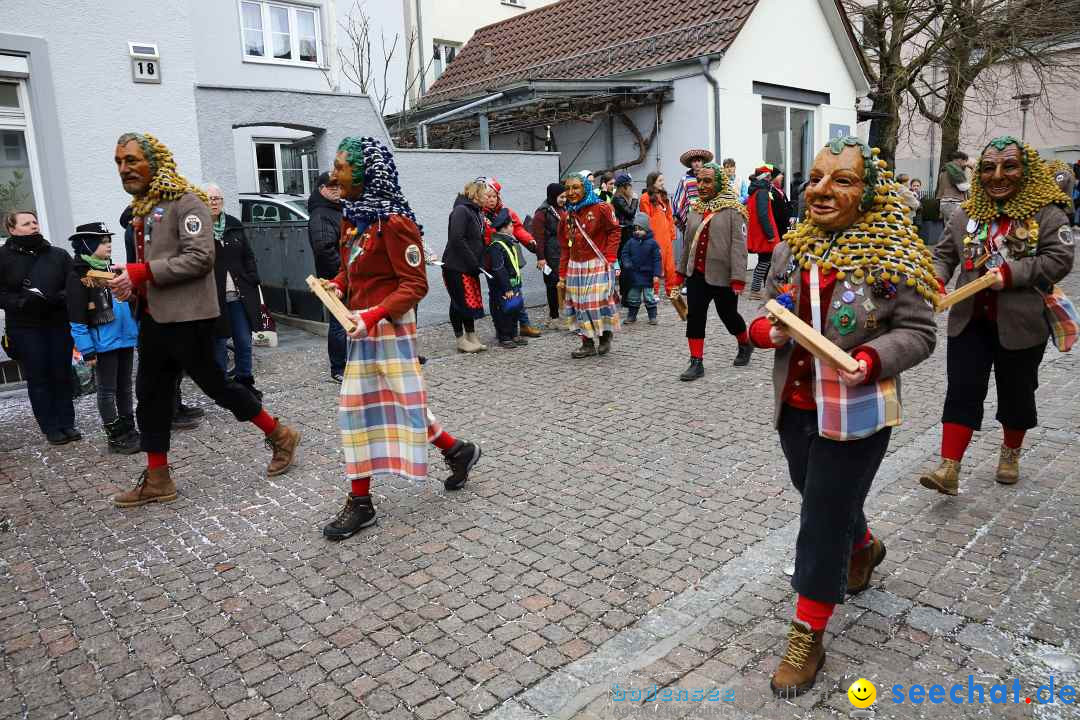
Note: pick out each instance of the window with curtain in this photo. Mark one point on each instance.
(280, 33)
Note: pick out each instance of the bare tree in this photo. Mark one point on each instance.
(368, 72)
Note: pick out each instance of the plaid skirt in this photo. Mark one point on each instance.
(591, 298)
(383, 416)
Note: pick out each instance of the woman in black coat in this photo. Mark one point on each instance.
(461, 264)
(238, 290)
(33, 295)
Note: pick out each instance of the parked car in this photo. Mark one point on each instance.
(272, 208)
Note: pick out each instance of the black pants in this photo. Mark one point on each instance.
(969, 359)
(698, 296)
(551, 284)
(336, 346)
(165, 351)
(833, 478)
(506, 326)
(460, 323)
(114, 397)
(44, 355)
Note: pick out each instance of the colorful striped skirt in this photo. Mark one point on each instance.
(383, 416)
(591, 298)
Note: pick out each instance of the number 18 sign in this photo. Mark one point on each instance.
(145, 62)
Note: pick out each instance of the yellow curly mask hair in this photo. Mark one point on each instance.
(1038, 191)
(166, 184)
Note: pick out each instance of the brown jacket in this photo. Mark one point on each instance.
(179, 247)
(1020, 307)
(725, 258)
(904, 336)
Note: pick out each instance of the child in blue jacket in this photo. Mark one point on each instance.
(106, 334)
(640, 261)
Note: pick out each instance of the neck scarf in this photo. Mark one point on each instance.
(382, 196)
(95, 262)
(881, 247)
(166, 184)
(28, 243)
(219, 227)
(590, 197)
(725, 198)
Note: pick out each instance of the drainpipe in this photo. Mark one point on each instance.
(705, 60)
(420, 47)
(421, 127)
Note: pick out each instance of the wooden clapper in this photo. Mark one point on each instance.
(332, 303)
(817, 344)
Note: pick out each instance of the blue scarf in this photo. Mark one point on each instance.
(382, 195)
(590, 198)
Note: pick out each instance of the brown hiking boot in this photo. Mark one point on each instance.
(1008, 470)
(283, 442)
(798, 669)
(946, 479)
(862, 566)
(530, 331)
(154, 485)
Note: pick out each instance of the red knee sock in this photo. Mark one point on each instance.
(813, 613)
(864, 541)
(1014, 438)
(743, 338)
(444, 441)
(156, 460)
(954, 441)
(265, 422)
(697, 347)
(361, 487)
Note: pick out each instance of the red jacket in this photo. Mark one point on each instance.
(599, 222)
(520, 233)
(389, 269)
(762, 235)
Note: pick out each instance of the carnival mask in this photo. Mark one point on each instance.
(575, 190)
(342, 175)
(1001, 172)
(707, 184)
(133, 167)
(836, 189)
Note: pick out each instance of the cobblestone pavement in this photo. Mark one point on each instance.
(622, 527)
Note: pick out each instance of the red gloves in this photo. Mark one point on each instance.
(373, 316)
(139, 273)
(737, 286)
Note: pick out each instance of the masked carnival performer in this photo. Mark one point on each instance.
(173, 280)
(384, 417)
(687, 190)
(856, 270)
(589, 237)
(713, 265)
(1013, 226)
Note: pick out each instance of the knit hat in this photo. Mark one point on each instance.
(696, 154)
(554, 190)
(501, 219)
(495, 185)
(87, 237)
(763, 172)
(641, 220)
(623, 179)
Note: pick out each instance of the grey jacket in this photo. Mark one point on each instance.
(179, 248)
(725, 258)
(1020, 319)
(904, 333)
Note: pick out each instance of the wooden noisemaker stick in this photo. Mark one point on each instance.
(332, 303)
(817, 344)
(944, 302)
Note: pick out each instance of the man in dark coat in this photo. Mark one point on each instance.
(324, 230)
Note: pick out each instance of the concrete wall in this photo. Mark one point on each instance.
(329, 116)
(432, 179)
(89, 78)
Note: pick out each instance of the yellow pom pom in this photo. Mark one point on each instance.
(875, 151)
(841, 275)
(911, 282)
(895, 278)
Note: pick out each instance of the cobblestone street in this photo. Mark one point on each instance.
(622, 527)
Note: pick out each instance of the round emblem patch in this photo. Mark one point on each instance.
(1065, 235)
(413, 256)
(192, 224)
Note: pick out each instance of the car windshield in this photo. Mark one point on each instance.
(299, 205)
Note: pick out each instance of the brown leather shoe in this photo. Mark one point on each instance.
(862, 566)
(799, 668)
(946, 479)
(1008, 469)
(153, 486)
(530, 331)
(283, 442)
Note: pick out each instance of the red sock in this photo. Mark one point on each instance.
(864, 541)
(813, 613)
(743, 338)
(361, 487)
(265, 422)
(697, 347)
(444, 441)
(954, 440)
(1014, 438)
(156, 460)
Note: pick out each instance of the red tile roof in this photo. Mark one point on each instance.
(577, 39)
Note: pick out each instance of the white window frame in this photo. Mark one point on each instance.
(305, 165)
(814, 131)
(22, 120)
(439, 65)
(294, 38)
